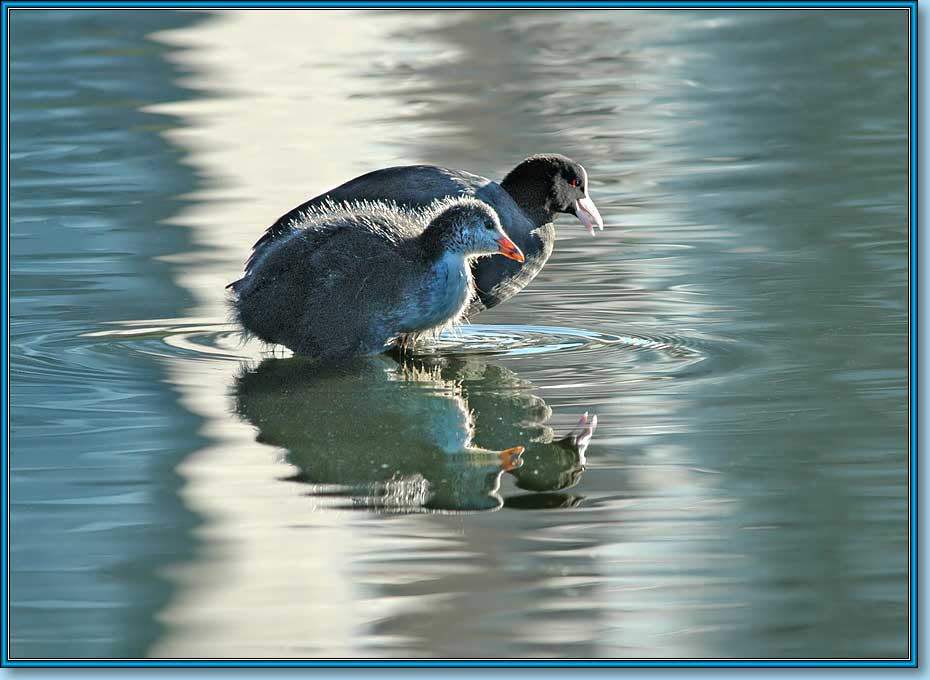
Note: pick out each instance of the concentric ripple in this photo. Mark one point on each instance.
(178, 337)
(516, 340)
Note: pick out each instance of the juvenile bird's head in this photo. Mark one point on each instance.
(470, 227)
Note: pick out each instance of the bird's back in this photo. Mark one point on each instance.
(334, 271)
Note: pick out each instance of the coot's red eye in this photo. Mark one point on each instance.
(575, 182)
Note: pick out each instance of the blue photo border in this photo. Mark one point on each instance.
(911, 661)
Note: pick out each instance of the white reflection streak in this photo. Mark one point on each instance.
(278, 122)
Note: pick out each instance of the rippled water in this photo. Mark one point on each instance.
(739, 329)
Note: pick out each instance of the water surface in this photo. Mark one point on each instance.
(739, 328)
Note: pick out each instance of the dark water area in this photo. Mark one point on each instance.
(95, 433)
(739, 328)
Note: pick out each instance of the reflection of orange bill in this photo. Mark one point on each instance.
(508, 248)
(510, 458)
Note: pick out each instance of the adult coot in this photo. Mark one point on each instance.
(526, 200)
(345, 279)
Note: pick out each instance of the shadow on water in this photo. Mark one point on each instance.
(425, 434)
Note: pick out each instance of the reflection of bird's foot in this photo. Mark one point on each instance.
(404, 344)
(580, 437)
(510, 458)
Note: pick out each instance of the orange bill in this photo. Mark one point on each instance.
(508, 248)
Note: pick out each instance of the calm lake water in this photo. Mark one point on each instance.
(739, 328)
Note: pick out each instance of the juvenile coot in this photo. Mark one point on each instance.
(345, 279)
(526, 200)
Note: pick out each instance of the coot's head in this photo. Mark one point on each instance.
(547, 184)
(470, 227)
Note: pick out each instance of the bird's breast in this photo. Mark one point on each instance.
(445, 290)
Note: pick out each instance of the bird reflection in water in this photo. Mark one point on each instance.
(414, 434)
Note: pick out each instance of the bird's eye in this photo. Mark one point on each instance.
(575, 181)
(489, 226)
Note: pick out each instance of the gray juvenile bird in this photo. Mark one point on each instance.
(348, 279)
(526, 200)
